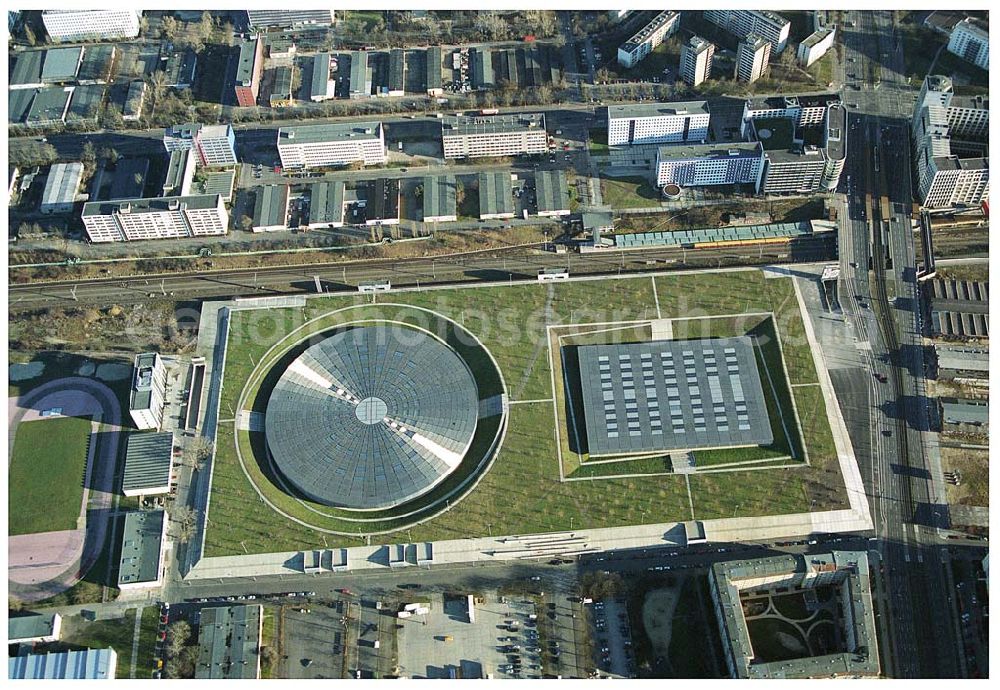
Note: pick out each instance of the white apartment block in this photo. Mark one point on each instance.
(128, 220)
(494, 135)
(696, 61)
(79, 25)
(314, 146)
(816, 45)
(149, 384)
(61, 187)
(645, 41)
(658, 123)
(970, 42)
(752, 58)
(770, 26)
(704, 165)
(214, 144)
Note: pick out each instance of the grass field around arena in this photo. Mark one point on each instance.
(46, 475)
(525, 490)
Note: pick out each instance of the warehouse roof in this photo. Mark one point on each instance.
(180, 68)
(61, 64)
(79, 664)
(962, 359)
(495, 193)
(383, 199)
(320, 75)
(142, 547)
(62, 184)
(27, 68)
(229, 642)
(49, 105)
(359, 73)
(134, 99)
(326, 203)
(247, 62)
(86, 102)
(492, 124)
(271, 207)
(658, 109)
(334, 131)
(150, 205)
(440, 196)
(148, 461)
(282, 88)
(97, 62)
(551, 191)
(397, 61)
(433, 78)
(968, 412)
(33, 627)
(288, 18)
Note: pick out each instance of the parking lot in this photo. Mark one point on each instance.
(612, 638)
(314, 641)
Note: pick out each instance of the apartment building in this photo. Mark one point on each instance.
(313, 146)
(770, 26)
(658, 123)
(696, 61)
(61, 187)
(816, 45)
(494, 135)
(214, 144)
(149, 384)
(645, 41)
(82, 25)
(701, 165)
(752, 57)
(970, 41)
(248, 71)
(128, 220)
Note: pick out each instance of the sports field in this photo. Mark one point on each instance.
(46, 475)
(525, 489)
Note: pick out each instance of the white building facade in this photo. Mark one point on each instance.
(61, 187)
(128, 220)
(494, 136)
(658, 123)
(330, 145)
(214, 144)
(645, 41)
(752, 58)
(696, 61)
(770, 26)
(79, 25)
(710, 164)
(816, 45)
(971, 43)
(149, 385)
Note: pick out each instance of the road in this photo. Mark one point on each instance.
(905, 483)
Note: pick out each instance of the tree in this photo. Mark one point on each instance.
(168, 28)
(138, 178)
(178, 633)
(29, 35)
(109, 155)
(14, 604)
(88, 155)
(559, 40)
(86, 593)
(198, 451)
(246, 222)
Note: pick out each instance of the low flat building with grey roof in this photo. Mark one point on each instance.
(958, 361)
(48, 106)
(699, 165)
(281, 89)
(321, 86)
(143, 538)
(221, 182)
(78, 664)
(481, 136)
(837, 583)
(440, 199)
(27, 69)
(382, 201)
(334, 144)
(972, 412)
(552, 193)
(85, 105)
(129, 220)
(360, 75)
(180, 173)
(61, 65)
(693, 394)
(179, 68)
(34, 628)
(61, 188)
(149, 384)
(134, 101)
(326, 205)
(658, 123)
(432, 79)
(496, 196)
(264, 19)
(229, 642)
(149, 461)
(481, 63)
(397, 67)
(270, 210)
(95, 68)
(250, 66)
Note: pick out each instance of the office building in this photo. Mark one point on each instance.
(802, 160)
(752, 57)
(645, 41)
(143, 537)
(321, 86)
(229, 642)
(214, 144)
(61, 188)
(816, 45)
(149, 464)
(180, 173)
(129, 220)
(33, 628)
(701, 165)
(270, 210)
(836, 583)
(248, 71)
(658, 123)
(312, 146)
(970, 40)
(440, 199)
(79, 664)
(287, 19)
(696, 61)
(551, 193)
(147, 396)
(804, 110)
(83, 25)
(494, 135)
(770, 26)
(496, 196)
(326, 205)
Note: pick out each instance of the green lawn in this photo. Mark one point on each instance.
(598, 142)
(115, 633)
(46, 475)
(629, 192)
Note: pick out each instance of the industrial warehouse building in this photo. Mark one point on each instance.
(440, 199)
(313, 146)
(146, 398)
(552, 193)
(270, 209)
(61, 188)
(666, 395)
(658, 123)
(34, 628)
(837, 583)
(326, 205)
(494, 135)
(143, 538)
(496, 196)
(149, 461)
(249, 70)
(229, 642)
(78, 664)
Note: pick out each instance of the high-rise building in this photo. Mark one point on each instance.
(770, 26)
(971, 41)
(248, 71)
(816, 45)
(149, 385)
(81, 25)
(126, 220)
(696, 61)
(751, 58)
(802, 160)
(494, 135)
(658, 123)
(645, 41)
(313, 146)
(701, 165)
(214, 144)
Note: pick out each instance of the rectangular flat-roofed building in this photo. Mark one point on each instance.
(382, 197)
(702, 165)
(286, 19)
(179, 68)
(361, 80)
(816, 45)
(229, 642)
(180, 173)
(481, 64)
(270, 209)
(974, 413)
(321, 86)
(552, 193)
(95, 68)
(696, 61)
(672, 395)
(61, 65)
(326, 205)
(215, 144)
(657, 123)
(85, 104)
(134, 100)
(149, 461)
(27, 69)
(494, 135)
(397, 69)
(149, 384)
(770, 26)
(61, 188)
(38, 107)
(126, 220)
(34, 628)
(249, 68)
(496, 196)
(433, 80)
(970, 41)
(648, 37)
(82, 25)
(313, 146)
(752, 58)
(79, 664)
(143, 538)
(281, 91)
(440, 199)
